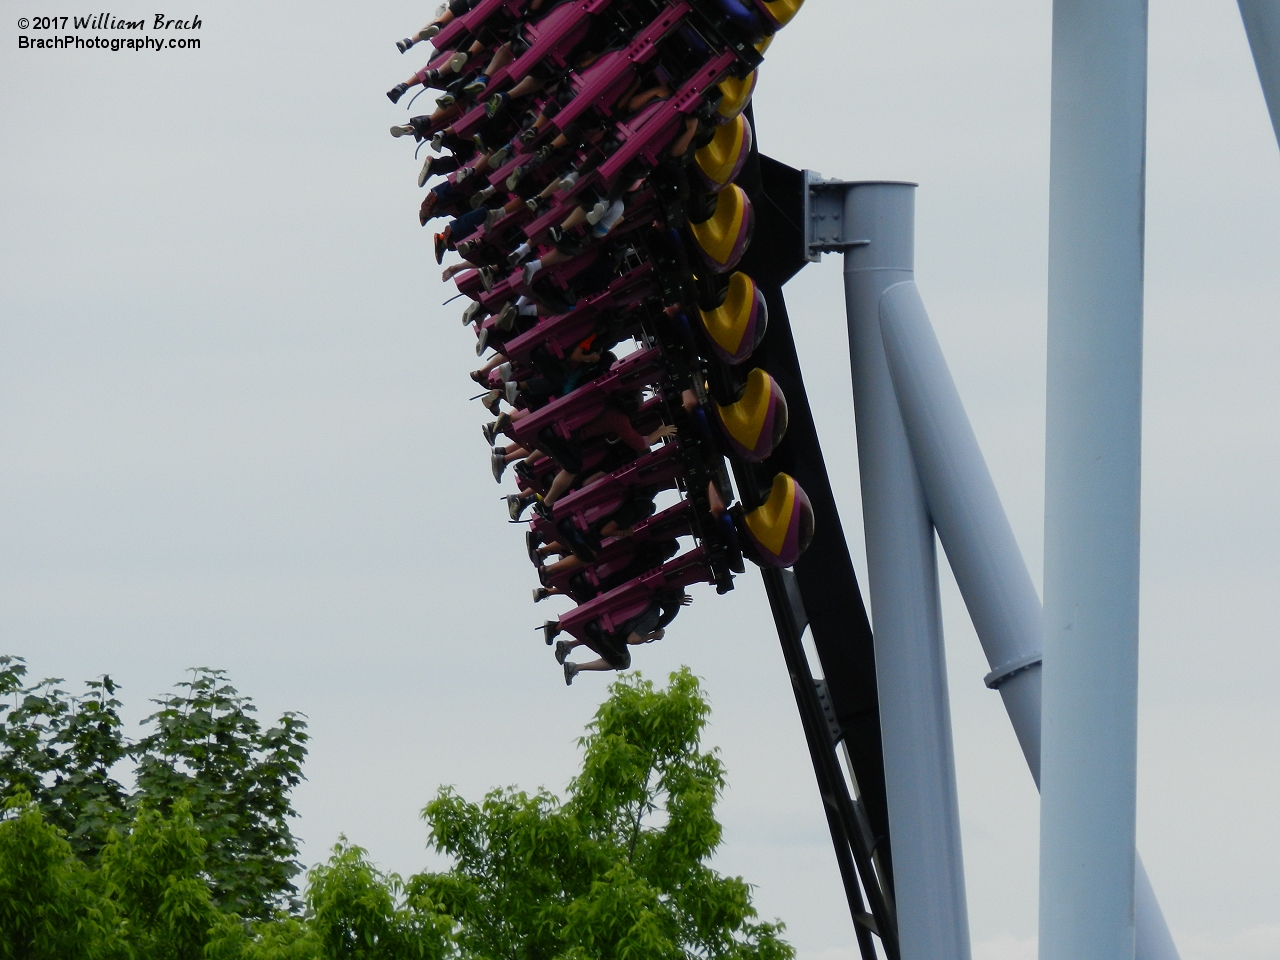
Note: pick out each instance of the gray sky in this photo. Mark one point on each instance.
(234, 430)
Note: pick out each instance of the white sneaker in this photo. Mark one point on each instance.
(457, 61)
(402, 131)
(425, 171)
(473, 311)
(598, 211)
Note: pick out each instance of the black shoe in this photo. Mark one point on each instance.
(405, 44)
(476, 86)
(396, 92)
(531, 546)
(489, 432)
(550, 630)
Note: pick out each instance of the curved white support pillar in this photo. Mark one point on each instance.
(980, 545)
(915, 716)
(966, 509)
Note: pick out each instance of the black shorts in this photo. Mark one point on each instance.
(643, 624)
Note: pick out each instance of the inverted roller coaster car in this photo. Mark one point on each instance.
(777, 532)
(757, 422)
(735, 328)
(722, 238)
(721, 160)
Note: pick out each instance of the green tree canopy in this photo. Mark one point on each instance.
(616, 870)
(202, 747)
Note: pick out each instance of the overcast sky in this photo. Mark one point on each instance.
(234, 430)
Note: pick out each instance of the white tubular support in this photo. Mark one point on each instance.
(966, 509)
(980, 545)
(1262, 24)
(915, 717)
(1093, 431)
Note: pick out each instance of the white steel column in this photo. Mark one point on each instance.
(1262, 24)
(915, 718)
(966, 509)
(980, 546)
(1092, 480)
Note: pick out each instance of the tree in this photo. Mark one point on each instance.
(208, 751)
(618, 869)
(59, 750)
(204, 750)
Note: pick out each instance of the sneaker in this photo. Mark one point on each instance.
(446, 101)
(480, 196)
(478, 140)
(598, 211)
(490, 431)
(493, 216)
(513, 391)
(486, 278)
(516, 175)
(437, 141)
(429, 31)
(396, 92)
(473, 312)
(492, 403)
(528, 136)
(482, 341)
(425, 171)
(570, 671)
(505, 320)
(500, 156)
(404, 45)
(441, 244)
(536, 205)
(540, 594)
(457, 61)
(562, 649)
(468, 247)
(505, 370)
(497, 464)
(531, 545)
(516, 257)
(550, 630)
(476, 86)
(515, 506)
(463, 173)
(529, 271)
(495, 105)
(567, 181)
(403, 130)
